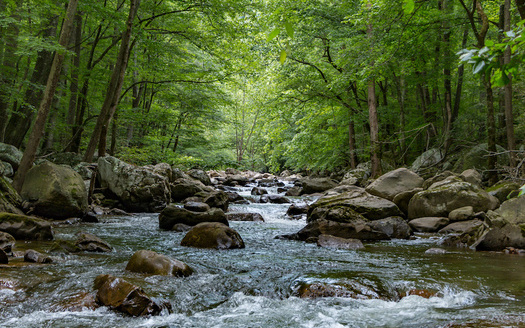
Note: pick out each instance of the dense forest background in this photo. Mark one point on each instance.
(266, 85)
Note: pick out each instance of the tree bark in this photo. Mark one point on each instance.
(47, 100)
(509, 117)
(113, 90)
(372, 114)
(21, 119)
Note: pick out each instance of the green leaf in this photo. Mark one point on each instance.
(282, 58)
(409, 6)
(489, 43)
(289, 29)
(479, 67)
(522, 190)
(273, 34)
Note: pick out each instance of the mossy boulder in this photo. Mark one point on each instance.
(24, 227)
(10, 200)
(122, 296)
(55, 191)
(447, 195)
(213, 235)
(145, 261)
(503, 189)
(10, 154)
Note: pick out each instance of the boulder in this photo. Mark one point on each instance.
(338, 242)
(445, 196)
(394, 227)
(6, 170)
(428, 224)
(403, 199)
(10, 154)
(236, 180)
(33, 256)
(297, 209)
(347, 289)
(122, 296)
(138, 188)
(91, 243)
(501, 234)
(197, 206)
(213, 235)
(294, 191)
(358, 200)
(274, 199)
(439, 177)
(218, 199)
(172, 215)
(253, 217)
(184, 188)
(356, 177)
(462, 226)
(471, 176)
(312, 186)
(257, 191)
(461, 214)
(200, 175)
(513, 210)
(234, 197)
(394, 182)
(145, 261)
(476, 157)
(10, 201)
(354, 229)
(504, 189)
(7, 242)
(55, 191)
(429, 158)
(23, 227)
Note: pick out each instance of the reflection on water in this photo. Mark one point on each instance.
(256, 286)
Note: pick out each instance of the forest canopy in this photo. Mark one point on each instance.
(266, 85)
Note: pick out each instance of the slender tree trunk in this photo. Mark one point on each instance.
(491, 133)
(73, 87)
(351, 143)
(375, 159)
(401, 95)
(21, 118)
(509, 117)
(47, 100)
(113, 90)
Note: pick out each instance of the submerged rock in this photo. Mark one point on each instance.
(122, 296)
(23, 227)
(338, 242)
(212, 235)
(55, 191)
(145, 261)
(33, 256)
(173, 215)
(252, 217)
(91, 243)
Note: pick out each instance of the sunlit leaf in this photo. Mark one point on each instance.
(282, 58)
(479, 67)
(289, 29)
(273, 34)
(409, 6)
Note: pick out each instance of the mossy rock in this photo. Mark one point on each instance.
(24, 227)
(10, 201)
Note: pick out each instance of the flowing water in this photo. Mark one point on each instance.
(257, 286)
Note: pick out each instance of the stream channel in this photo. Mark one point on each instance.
(257, 286)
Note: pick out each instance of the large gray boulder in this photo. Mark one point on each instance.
(173, 215)
(212, 235)
(394, 227)
(10, 154)
(369, 206)
(352, 229)
(24, 227)
(90, 243)
(395, 182)
(429, 158)
(10, 200)
(504, 189)
(447, 195)
(312, 186)
(183, 188)
(145, 261)
(513, 210)
(138, 188)
(200, 175)
(55, 191)
(428, 224)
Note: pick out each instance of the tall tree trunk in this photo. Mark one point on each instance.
(401, 95)
(21, 118)
(491, 133)
(375, 159)
(521, 8)
(113, 90)
(47, 100)
(8, 63)
(73, 87)
(509, 117)
(351, 143)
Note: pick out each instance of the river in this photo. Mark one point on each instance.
(257, 286)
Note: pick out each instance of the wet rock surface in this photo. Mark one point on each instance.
(146, 261)
(213, 235)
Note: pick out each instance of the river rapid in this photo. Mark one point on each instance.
(257, 286)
